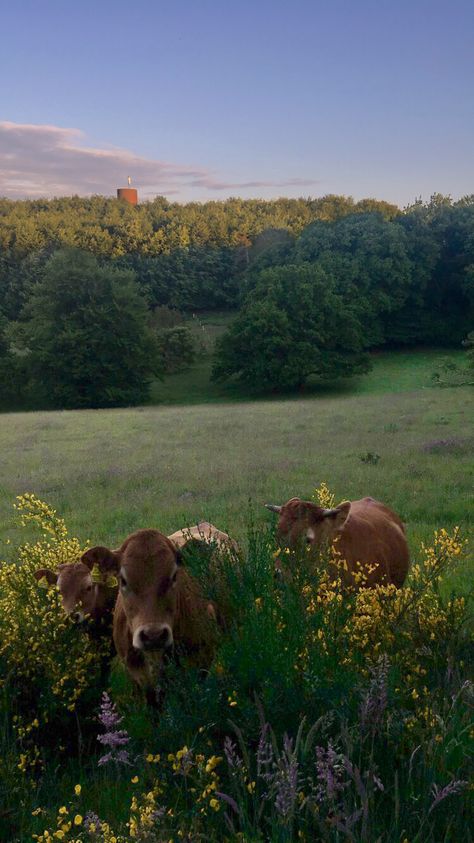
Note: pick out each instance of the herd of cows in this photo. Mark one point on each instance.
(155, 606)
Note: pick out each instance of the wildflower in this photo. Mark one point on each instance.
(77, 819)
(286, 780)
(92, 822)
(232, 757)
(451, 789)
(375, 702)
(113, 737)
(330, 768)
(264, 755)
(77, 789)
(134, 780)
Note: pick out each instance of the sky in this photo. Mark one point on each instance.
(206, 99)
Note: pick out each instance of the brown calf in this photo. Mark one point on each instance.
(84, 591)
(159, 605)
(368, 535)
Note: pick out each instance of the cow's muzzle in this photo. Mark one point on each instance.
(153, 638)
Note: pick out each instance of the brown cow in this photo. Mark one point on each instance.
(367, 532)
(158, 605)
(82, 592)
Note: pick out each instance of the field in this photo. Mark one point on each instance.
(110, 472)
(204, 454)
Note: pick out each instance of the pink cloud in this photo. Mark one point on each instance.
(43, 160)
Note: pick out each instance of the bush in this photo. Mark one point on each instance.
(177, 349)
(48, 670)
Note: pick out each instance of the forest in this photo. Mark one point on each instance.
(315, 284)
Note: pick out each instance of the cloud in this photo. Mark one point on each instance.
(42, 160)
(211, 183)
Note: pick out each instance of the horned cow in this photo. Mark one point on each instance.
(159, 607)
(367, 534)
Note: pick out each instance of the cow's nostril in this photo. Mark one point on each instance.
(163, 638)
(155, 640)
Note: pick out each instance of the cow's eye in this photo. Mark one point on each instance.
(89, 588)
(123, 581)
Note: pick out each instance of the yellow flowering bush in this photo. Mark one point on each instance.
(46, 663)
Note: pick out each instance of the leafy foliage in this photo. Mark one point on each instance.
(85, 330)
(294, 323)
(403, 278)
(177, 348)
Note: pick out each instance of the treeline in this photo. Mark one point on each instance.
(315, 306)
(316, 283)
(185, 256)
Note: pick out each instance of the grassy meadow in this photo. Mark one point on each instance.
(111, 472)
(325, 716)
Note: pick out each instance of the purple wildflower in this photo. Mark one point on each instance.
(375, 702)
(92, 823)
(232, 757)
(265, 755)
(330, 767)
(451, 789)
(112, 738)
(286, 779)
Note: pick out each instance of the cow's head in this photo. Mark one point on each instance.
(76, 585)
(148, 570)
(303, 522)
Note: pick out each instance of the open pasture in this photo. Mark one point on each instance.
(110, 472)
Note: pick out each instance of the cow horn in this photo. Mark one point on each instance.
(272, 507)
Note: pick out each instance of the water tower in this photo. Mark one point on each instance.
(128, 194)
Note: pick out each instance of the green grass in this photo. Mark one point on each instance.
(391, 372)
(110, 472)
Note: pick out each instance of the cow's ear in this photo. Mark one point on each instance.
(106, 560)
(45, 577)
(338, 515)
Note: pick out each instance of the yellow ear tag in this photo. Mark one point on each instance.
(111, 581)
(43, 583)
(96, 574)
(103, 579)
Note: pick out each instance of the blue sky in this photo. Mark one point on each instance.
(200, 99)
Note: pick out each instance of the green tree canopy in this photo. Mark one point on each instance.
(177, 348)
(293, 324)
(86, 331)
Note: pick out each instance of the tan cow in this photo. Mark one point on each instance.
(368, 535)
(205, 533)
(84, 591)
(159, 605)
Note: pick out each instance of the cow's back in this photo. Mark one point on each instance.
(374, 534)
